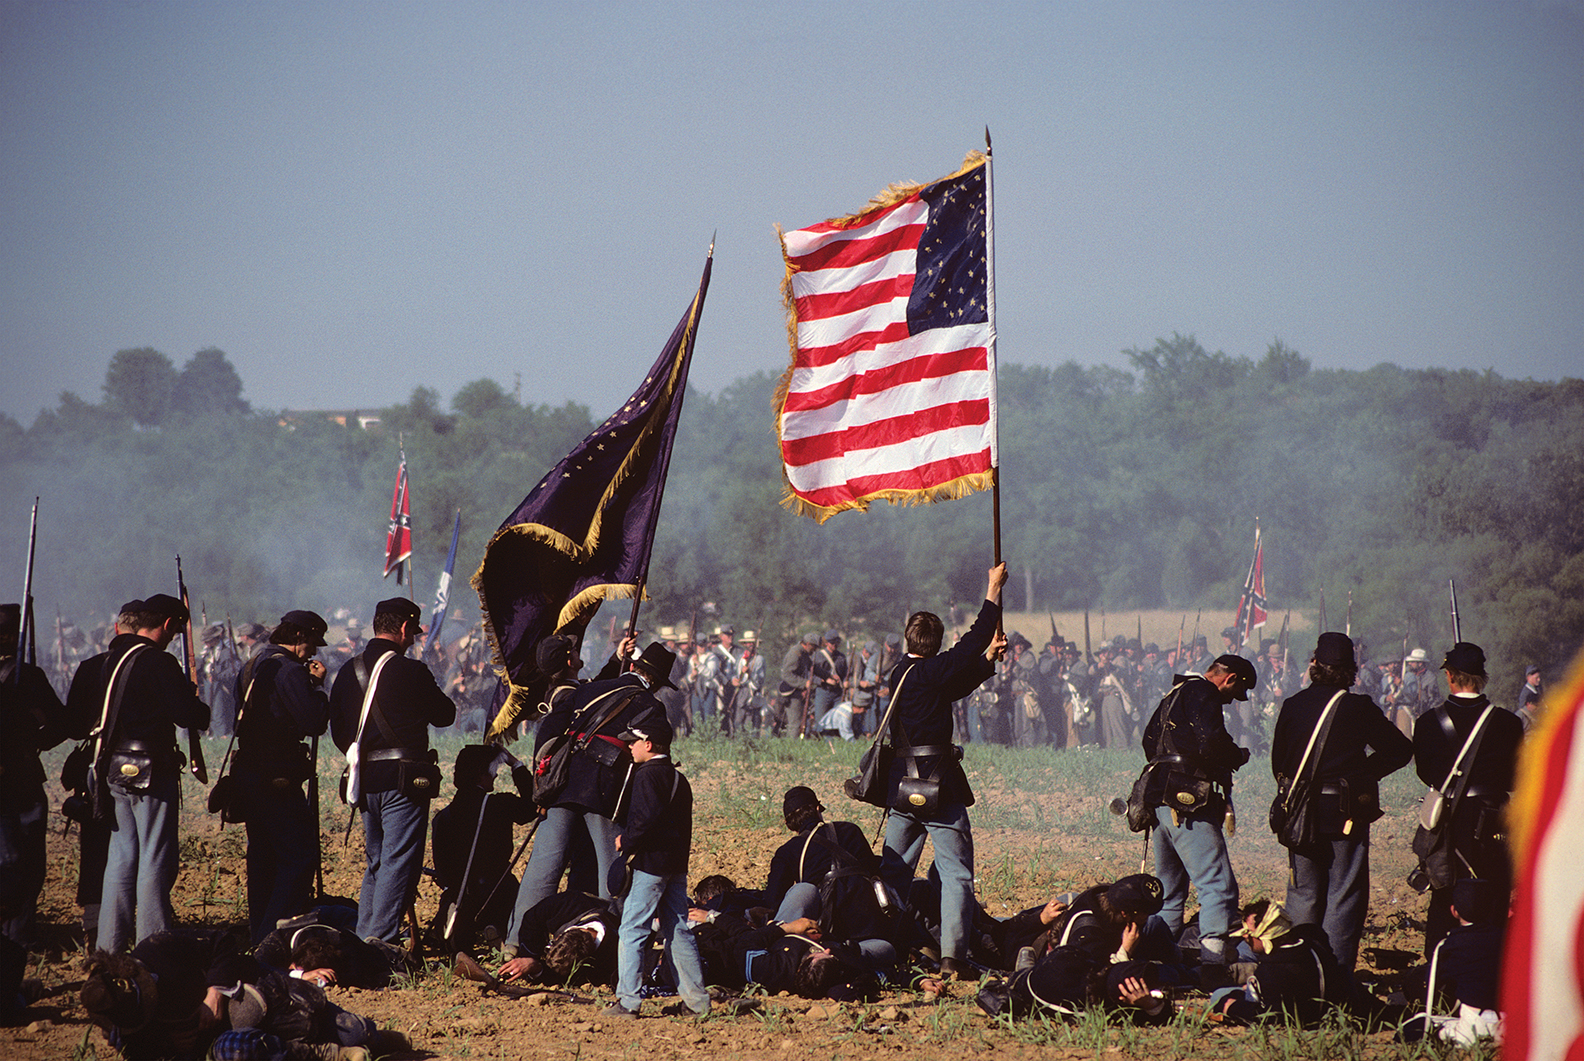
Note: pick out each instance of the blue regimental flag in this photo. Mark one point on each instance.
(442, 602)
(584, 533)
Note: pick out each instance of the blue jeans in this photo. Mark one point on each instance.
(1329, 887)
(394, 828)
(282, 840)
(552, 845)
(1196, 851)
(952, 835)
(650, 895)
(140, 867)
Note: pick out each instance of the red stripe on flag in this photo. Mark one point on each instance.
(820, 356)
(818, 307)
(1524, 942)
(843, 254)
(877, 433)
(877, 381)
(924, 477)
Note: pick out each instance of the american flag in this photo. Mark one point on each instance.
(1252, 613)
(398, 538)
(1542, 999)
(891, 391)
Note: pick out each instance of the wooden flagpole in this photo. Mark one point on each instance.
(995, 420)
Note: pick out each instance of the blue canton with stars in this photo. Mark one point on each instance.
(950, 283)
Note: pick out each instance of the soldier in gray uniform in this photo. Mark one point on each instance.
(863, 679)
(747, 684)
(794, 695)
(829, 665)
(718, 677)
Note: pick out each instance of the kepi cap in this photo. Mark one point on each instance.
(401, 608)
(1334, 650)
(1245, 672)
(1465, 657)
(168, 606)
(1140, 894)
(309, 623)
(652, 727)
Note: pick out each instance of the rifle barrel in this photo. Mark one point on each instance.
(25, 626)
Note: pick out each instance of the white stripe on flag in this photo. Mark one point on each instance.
(829, 331)
(805, 240)
(884, 356)
(892, 459)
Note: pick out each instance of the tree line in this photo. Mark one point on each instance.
(1123, 489)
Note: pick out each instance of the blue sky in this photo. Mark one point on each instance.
(353, 199)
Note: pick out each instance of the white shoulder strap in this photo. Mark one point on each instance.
(804, 854)
(354, 752)
(1467, 744)
(1319, 725)
(98, 733)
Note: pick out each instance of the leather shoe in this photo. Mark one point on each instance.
(956, 969)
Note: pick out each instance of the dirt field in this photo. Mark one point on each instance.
(1041, 826)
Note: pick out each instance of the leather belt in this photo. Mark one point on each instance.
(384, 754)
(923, 750)
(142, 746)
(607, 738)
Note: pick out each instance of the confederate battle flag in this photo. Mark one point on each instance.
(1251, 613)
(398, 538)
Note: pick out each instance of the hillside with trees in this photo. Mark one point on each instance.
(1120, 489)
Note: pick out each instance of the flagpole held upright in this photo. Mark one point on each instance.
(990, 310)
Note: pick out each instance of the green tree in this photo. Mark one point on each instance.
(140, 384)
(481, 398)
(208, 385)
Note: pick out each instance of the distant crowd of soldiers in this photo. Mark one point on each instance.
(1059, 696)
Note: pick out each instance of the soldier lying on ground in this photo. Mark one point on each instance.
(1295, 977)
(568, 937)
(783, 957)
(1067, 980)
(182, 994)
(317, 946)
